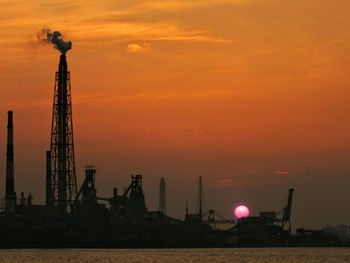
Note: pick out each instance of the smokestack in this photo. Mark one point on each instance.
(162, 196)
(62, 66)
(200, 197)
(10, 196)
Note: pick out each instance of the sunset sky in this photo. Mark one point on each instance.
(252, 95)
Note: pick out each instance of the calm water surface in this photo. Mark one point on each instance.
(288, 255)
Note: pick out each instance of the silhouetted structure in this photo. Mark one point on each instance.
(341, 231)
(62, 183)
(162, 196)
(267, 228)
(136, 197)
(287, 211)
(49, 190)
(87, 192)
(200, 197)
(10, 197)
(83, 219)
(212, 218)
(197, 217)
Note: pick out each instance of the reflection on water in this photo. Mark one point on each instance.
(239, 255)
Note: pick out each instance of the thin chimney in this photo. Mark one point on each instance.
(10, 197)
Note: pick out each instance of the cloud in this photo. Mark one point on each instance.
(198, 131)
(175, 5)
(230, 182)
(227, 182)
(281, 172)
(139, 48)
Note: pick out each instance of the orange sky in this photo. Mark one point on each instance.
(253, 95)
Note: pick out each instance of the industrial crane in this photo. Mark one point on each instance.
(285, 213)
(286, 222)
(212, 218)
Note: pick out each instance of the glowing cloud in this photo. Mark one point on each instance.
(139, 48)
(281, 172)
(227, 182)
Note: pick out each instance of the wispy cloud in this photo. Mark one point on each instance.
(281, 172)
(198, 131)
(181, 5)
(228, 182)
(109, 23)
(139, 48)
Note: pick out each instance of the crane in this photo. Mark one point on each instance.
(212, 218)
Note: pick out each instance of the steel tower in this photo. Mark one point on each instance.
(61, 178)
(162, 198)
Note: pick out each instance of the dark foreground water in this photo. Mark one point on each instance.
(251, 255)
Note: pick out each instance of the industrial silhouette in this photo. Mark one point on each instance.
(162, 196)
(61, 176)
(10, 197)
(72, 218)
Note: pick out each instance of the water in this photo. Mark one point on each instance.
(239, 255)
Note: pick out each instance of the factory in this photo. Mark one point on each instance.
(75, 216)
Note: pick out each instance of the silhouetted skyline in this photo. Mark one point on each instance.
(251, 95)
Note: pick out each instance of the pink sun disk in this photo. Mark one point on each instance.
(241, 211)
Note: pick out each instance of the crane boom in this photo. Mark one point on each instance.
(287, 211)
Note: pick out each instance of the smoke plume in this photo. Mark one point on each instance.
(45, 35)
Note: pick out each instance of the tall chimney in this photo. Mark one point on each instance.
(10, 196)
(162, 196)
(200, 197)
